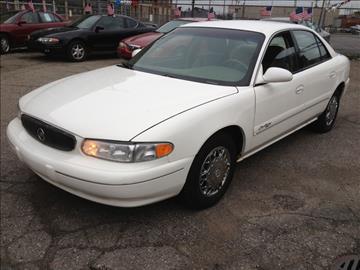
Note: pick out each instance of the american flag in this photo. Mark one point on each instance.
(88, 8)
(110, 9)
(177, 12)
(308, 13)
(266, 11)
(297, 14)
(30, 5)
(211, 14)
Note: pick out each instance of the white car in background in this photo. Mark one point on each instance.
(177, 117)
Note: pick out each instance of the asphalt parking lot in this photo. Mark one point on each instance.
(294, 205)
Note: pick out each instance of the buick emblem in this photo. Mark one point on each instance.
(40, 134)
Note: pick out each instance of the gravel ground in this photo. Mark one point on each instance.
(294, 205)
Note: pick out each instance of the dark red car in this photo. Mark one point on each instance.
(15, 30)
(128, 45)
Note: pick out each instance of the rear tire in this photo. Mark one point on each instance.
(326, 120)
(211, 173)
(4, 44)
(76, 51)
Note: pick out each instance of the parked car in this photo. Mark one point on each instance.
(312, 25)
(15, 30)
(355, 29)
(128, 45)
(91, 33)
(166, 124)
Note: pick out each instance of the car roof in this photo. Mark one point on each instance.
(265, 27)
(192, 19)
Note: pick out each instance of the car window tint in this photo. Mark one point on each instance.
(46, 17)
(309, 53)
(111, 23)
(280, 53)
(30, 17)
(131, 23)
(323, 51)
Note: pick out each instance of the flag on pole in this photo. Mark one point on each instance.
(30, 5)
(297, 14)
(308, 13)
(44, 5)
(177, 12)
(211, 14)
(88, 8)
(266, 11)
(134, 3)
(110, 9)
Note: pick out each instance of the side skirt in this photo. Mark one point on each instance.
(278, 138)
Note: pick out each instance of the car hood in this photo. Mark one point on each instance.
(52, 31)
(115, 103)
(143, 39)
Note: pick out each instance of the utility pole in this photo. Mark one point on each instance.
(192, 8)
(321, 13)
(243, 10)
(66, 10)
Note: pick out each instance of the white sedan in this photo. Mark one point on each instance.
(178, 116)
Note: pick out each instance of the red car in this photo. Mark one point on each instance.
(128, 45)
(15, 30)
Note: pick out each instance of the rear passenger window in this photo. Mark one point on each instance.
(309, 53)
(131, 23)
(323, 51)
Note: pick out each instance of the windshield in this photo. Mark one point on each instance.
(167, 27)
(85, 22)
(9, 17)
(209, 55)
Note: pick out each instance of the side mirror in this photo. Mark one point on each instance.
(135, 52)
(274, 75)
(98, 29)
(21, 23)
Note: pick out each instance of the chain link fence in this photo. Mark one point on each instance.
(159, 12)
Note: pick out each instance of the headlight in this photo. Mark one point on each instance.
(126, 152)
(46, 40)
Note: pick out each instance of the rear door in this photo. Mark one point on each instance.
(317, 71)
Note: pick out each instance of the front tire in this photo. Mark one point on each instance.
(326, 120)
(211, 173)
(77, 51)
(4, 44)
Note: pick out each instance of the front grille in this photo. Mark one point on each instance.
(47, 134)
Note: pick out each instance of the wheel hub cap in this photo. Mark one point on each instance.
(214, 171)
(4, 45)
(331, 110)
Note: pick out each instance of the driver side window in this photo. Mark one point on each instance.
(280, 53)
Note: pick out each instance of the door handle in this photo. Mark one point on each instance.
(299, 89)
(332, 75)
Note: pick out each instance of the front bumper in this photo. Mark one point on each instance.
(106, 182)
(35, 45)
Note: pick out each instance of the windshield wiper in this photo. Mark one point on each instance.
(126, 65)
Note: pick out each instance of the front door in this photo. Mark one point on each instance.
(277, 104)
